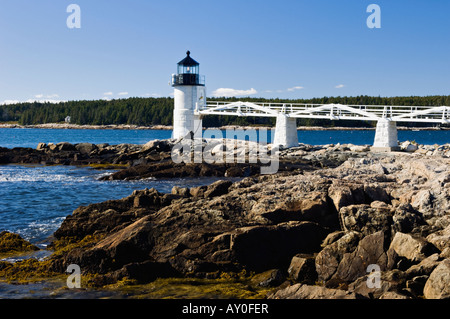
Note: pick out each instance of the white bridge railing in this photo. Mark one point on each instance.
(430, 114)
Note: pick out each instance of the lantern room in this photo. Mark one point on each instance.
(188, 72)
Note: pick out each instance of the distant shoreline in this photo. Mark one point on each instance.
(88, 127)
(168, 127)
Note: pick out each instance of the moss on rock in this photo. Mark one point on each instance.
(193, 288)
(13, 243)
(26, 271)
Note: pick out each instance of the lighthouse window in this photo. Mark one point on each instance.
(188, 70)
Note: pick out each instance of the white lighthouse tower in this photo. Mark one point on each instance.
(189, 96)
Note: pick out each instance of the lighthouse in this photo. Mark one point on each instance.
(189, 97)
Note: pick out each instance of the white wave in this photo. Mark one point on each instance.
(39, 255)
(43, 227)
(37, 228)
(28, 174)
(98, 176)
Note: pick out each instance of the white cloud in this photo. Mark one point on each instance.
(108, 93)
(6, 102)
(340, 86)
(152, 95)
(39, 100)
(51, 96)
(227, 92)
(291, 89)
(123, 93)
(295, 88)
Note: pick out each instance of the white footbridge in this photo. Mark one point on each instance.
(286, 114)
(190, 106)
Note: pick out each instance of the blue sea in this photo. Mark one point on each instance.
(29, 137)
(35, 199)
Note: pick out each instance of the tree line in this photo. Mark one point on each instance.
(138, 111)
(159, 111)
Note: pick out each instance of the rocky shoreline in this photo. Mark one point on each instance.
(311, 231)
(151, 160)
(88, 127)
(169, 127)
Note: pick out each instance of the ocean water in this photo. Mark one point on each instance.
(29, 137)
(11, 138)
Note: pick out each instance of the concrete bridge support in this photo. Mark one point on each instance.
(286, 131)
(386, 138)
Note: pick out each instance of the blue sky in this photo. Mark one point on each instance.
(284, 48)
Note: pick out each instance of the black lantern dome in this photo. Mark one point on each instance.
(188, 65)
(188, 72)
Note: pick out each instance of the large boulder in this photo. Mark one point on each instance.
(112, 215)
(65, 146)
(41, 147)
(365, 219)
(375, 192)
(181, 191)
(131, 244)
(85, 148)
(406, 219)
(388, 285)
(393, 295)
(440, 239)
(407, 146)
(328, 259)
(411, 247)
(269, 278)
(157, 145)
(310, 206)
(422, 200)
(264, 247)
(438, 284)
(346, 194)
(301, 291)
(371, 250)
(217, 188)
(303, 269)
(424, 268)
